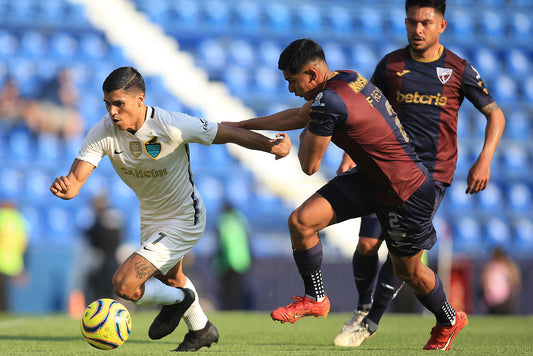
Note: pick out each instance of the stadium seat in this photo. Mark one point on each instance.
(339, 20)
(459, 201)
(486, 61)
(12, 183)
(9, 44)
(492, 25)
(497, 233)
(363, 59)
(268, 53)
(515, 161)
(309, 18)
(504, 90)
(278, 17)
(248, 14)
(268, 81)
(523, 233)
(491, 200)
(517, 63)
(370, 21)
(462, 28)
(528, 89)
(466, 234)
(241, 52)
(238, 79)
(211, 55)
(33, 44)
(521, 26)
(217, 13)
(519, 196)
(518, 124)
(335, 55)
(187, 13)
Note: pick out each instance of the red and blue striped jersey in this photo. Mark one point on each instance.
(360, 120)
(427, 96)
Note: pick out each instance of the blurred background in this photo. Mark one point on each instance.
(218, 59)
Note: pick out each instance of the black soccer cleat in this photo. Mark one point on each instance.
(170, 315)
(194, 340)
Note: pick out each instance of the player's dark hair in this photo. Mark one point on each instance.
(126, 78)
(438, 5)
(298, 54)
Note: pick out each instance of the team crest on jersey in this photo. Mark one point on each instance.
(153, 148)
(444, 74)
(135, 148)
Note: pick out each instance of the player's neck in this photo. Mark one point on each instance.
(432, 54)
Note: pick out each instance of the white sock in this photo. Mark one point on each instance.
(194, 317)
(157, 292)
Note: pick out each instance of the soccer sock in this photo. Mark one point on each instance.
(365, 269)
(157, 292)
(194, 317)
(387, 287)
(309, 262)
(437, 303)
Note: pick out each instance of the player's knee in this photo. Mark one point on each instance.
(368, 246)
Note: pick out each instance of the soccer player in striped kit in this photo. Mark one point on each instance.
(425, 84)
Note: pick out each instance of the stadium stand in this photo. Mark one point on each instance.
(237, 42)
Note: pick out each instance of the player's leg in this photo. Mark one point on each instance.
(345, 197)
(201, 331)
(304, 223)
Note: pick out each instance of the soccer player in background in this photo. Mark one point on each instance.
(148, 148)
(389, 180)
(425, 84)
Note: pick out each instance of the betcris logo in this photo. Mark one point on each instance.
(424, 99)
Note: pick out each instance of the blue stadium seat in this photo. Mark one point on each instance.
(187, 13)
(467, 234)
(9, 44)
(462, 27)
(497, 232)
(36, 191)
(212, 191)
(363, 59)
(519, 197)
(335, 55)
(241, 53)
(63, 45)
(238, 79)
(528, 89)
(309, 18)
(492, 25)
(12, 183)
(92, 46)
(458, 201)
(278, 17)
(339, 20)
(248, 15)
(517, 63)
(504, 90)
(21, 145)
(268, 53)
(217, 13)
(523, 232)
(33, 44)
(491, 200)
(370, 20)
(521, 26)
(518, 124)
(211, 55)
(515, 161)
(268, 81)
(486, 61)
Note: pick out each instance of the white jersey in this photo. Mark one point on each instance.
(154, 161)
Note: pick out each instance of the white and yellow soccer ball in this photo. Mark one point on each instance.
(106, 324)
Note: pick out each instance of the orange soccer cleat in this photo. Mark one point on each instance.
(442, 336)
(302, 306)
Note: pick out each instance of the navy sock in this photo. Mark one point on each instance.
(437, 303)
(365, 269)
(387, 287)
(309, 264)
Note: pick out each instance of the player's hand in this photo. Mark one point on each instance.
(282, 145)
(61, 187)
(478, 177)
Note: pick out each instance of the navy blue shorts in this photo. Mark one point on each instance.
(407, 227)
(371, 228)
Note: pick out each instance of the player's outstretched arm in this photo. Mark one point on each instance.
(67, 187)
(290, 119)
(479, 174)
(279, 147)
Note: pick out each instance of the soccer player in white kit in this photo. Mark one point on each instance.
(148, 148)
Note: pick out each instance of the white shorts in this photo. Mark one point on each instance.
(164, 243)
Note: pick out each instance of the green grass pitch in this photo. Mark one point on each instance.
(254, 333)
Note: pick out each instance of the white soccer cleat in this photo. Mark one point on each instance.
(355, 319)
(354, 337)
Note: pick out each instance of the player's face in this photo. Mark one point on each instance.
(127, 110)
(424, 26)
(301, 84)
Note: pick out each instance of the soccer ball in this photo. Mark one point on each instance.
(106, 324)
